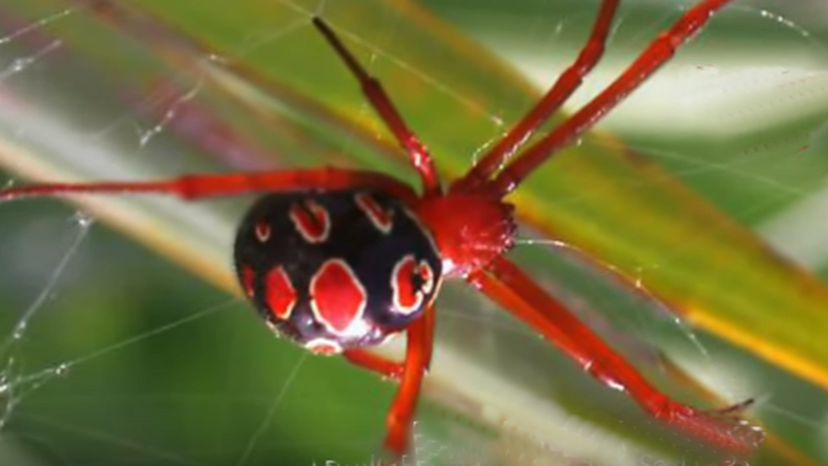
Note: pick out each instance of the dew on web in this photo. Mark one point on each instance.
(21, 64)
(15, 384)
(21, 379)
(168, 115)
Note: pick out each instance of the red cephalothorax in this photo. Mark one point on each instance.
(340, 259)
(470, 229)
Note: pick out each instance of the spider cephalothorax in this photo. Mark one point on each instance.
(470, 229)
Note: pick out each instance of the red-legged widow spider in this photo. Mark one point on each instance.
(339, 260)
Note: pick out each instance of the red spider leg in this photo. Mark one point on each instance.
(419, 340)
(568, 82)
(374, 92)
(391, 369)
(387, 368)
(515, 291)
(658, 53)
(429, 320)
(410, 374)
(193, 187)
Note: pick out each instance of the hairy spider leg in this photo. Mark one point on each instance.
(508, 286)
(567, 83)
(654, 56)
(420, 335)
(409, 374)
(376, 95)
(659, 52)
(419, 341)
(391, 370)
(194, 187)
(511, 288)
(386, 367)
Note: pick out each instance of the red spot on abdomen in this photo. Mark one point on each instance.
(311, 221)
(410, 283)
(338, 299)
(247, 277)
(279, 293)
(323, 346)
(262, 231)
(375, 213)
(406, 297)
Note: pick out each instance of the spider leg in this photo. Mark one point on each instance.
(410, 374)
(193, 187)
(567, 83)
(417, 358)
(385, 367)
(658, 53)
(514, 290)
(376, 95)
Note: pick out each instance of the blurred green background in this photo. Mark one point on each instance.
(128, 358)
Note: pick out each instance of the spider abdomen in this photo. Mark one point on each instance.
(336, 269)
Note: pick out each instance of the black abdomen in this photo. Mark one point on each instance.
(336, 270)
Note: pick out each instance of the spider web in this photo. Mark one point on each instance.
(112, 355)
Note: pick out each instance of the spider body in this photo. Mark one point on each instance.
(334, 270)
(470, 228)
(340, 259)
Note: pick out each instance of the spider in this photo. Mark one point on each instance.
(340, 260)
